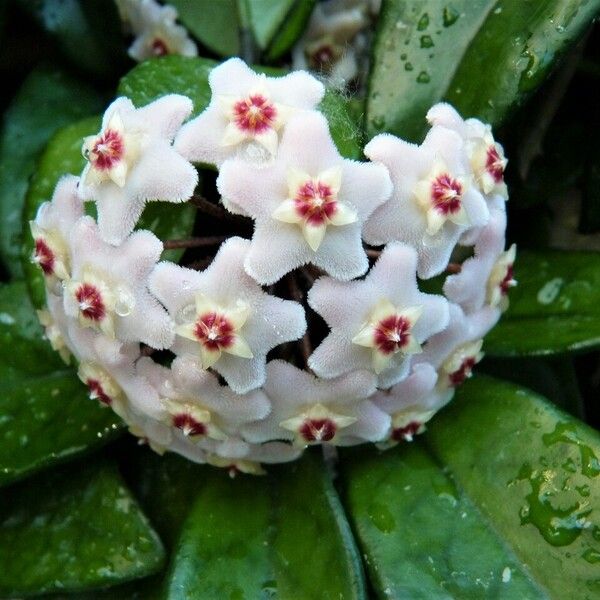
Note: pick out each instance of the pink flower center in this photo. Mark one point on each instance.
(189, 425)
(214, 331)
(254, 114)
(107, 150)
(318, 430)
(315, 202)
(506, 283)
(44, 256)
(459, 376)
(391, 334)
(494, 164)
(446, 192)
(90, 302)
(322, 57)
(97, 392)
(406, 433)
(159, 48)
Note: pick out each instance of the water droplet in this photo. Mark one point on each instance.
(378, 122)
(187, 314)
(423, 77)
(450, 15)
(408, 66)
(592, 556)
(125, 302)
(403, 57)
(186, 284)
(423, 22)
(381, 517)
(426, 41)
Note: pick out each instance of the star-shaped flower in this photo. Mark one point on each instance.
(108, 289)
(131, 161)
(155, 29)
(410, 404)
(334, 411)
(224, 318)
(247, 113)
(326, 47)
(486, 156)
(51, 230)
(433, 202)
(377, 323)
(200, 410)
(485, 278)
(309, 205)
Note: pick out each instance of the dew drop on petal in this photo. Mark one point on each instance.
(125, 302)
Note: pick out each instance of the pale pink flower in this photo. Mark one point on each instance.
(486, 156)
(309, 205)
(308, 410)
(131, 161)
(434, 201)
(51, 230)
(247, 113)
(377, 323)
(486, 277)
(155, 29)
(108, 288)
(224, 318)
(200, 411)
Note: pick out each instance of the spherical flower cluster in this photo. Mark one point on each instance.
(217, 363)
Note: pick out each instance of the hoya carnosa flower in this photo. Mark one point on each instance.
(199, 409)
(309, 205)
(155, 29)
(247, 113)
(434, 201)
(378, 323)
(131, 161)
(51, 230)
(53, 333)
(410, 404)
(486, 278)
(108, 289)
(317, 412)
(486, 156)
(224, 318)
(326, 47)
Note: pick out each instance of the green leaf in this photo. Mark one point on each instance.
(483, 56)
(75, 27)
(62, 156)
(302, 548)
(45, 415)
(420, 536)
(291, 29)
(556, 303)
(215, 24)
(48, 99)
(73, 530)
(189, 76)
(266, 18)
(504, 503)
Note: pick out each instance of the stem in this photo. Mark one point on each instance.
(454, 268)
(372, 253)
(200, 265)
(197, 242)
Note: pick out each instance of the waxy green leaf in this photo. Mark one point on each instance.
(266, 17)
(283, 535)
(483, 56)
(502, 500)
(73, 530)
(215, 24)
(45, 414)
(48, 99)
(189, 76)
(62, 156)
(291, 29)
(554, 309)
